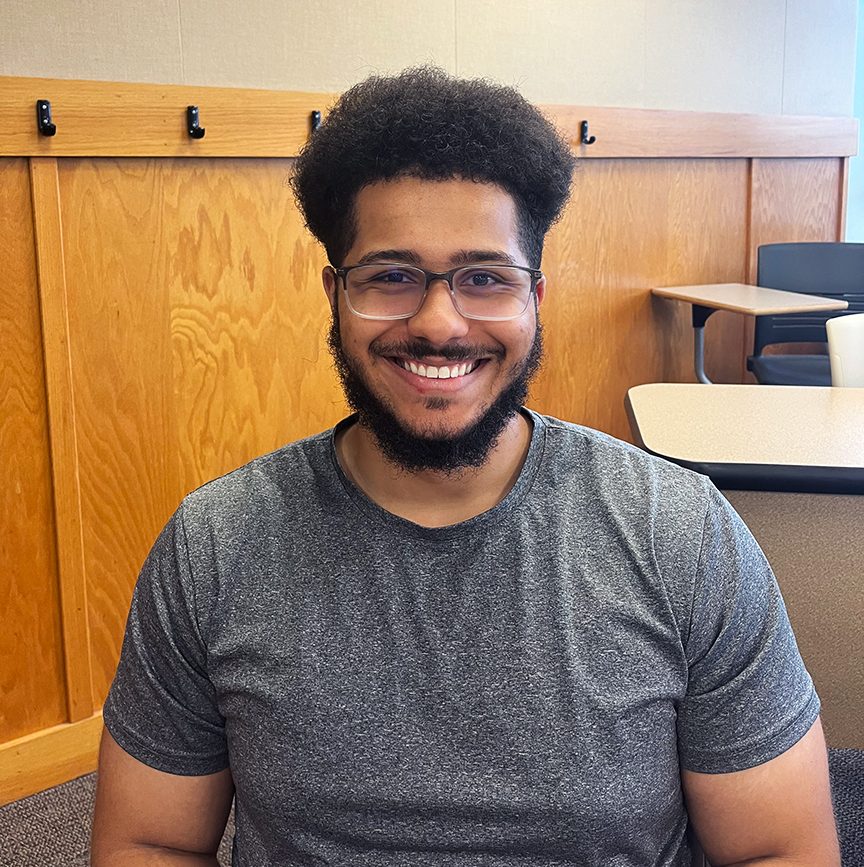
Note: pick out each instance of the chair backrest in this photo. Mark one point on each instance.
(835, 270)
(846, 348)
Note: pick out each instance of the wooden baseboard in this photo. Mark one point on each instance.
(49, 757)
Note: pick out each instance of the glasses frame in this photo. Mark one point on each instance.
(447, 277)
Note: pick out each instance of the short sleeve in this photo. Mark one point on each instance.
(749, 697)
(162, 707)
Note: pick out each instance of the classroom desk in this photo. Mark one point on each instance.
(766, 447)
(739, 298)
(763, 438)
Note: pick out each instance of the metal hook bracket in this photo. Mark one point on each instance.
(583, 130)
(192, 122)
(43, 117)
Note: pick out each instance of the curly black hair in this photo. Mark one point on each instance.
(424, 123)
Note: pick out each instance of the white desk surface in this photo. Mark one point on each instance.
(744, 298)
(751, 424)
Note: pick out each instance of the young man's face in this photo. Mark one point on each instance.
(437, 225)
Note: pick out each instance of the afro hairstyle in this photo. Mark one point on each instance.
(426, 124)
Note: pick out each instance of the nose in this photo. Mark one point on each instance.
(438, 320)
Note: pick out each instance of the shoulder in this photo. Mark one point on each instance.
(279, 482)
(234, 529)
(636, 513)
(619, 473)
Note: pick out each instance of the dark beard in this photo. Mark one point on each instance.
(414, 452)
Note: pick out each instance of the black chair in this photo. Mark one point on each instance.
(835, 270)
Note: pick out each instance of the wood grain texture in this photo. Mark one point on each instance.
(97, 118)
(63, 435)
(794, 200)
(632, 225)
(632, 132)
(49, 757)
(32, 692)
(198, 324)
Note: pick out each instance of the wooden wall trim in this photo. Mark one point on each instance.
(49, 757)
(631, 132)
(62, 432)
(97, 118)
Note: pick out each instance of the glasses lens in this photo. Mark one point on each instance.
(496, 292)
(385, 290)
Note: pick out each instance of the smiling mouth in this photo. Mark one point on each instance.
(429, 371)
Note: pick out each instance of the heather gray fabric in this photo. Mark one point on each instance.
(516, 689)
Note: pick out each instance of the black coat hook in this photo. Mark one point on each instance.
(195, 130)
(43, 117)
(315, 120)
(586, 139)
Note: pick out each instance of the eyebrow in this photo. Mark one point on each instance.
(462, 257)
(466, 257)
(395, 256)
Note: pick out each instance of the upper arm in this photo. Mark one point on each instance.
(137, 805)
(779, 808)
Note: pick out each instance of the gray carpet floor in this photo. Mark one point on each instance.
(52, 829)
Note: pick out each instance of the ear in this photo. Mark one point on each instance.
(329, 279)
(540, 289)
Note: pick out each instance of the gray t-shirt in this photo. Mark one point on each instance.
(521, 688)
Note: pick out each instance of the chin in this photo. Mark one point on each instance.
(436, 423)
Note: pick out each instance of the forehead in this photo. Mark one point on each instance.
(434, 219)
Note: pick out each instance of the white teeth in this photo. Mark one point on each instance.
(431, 372)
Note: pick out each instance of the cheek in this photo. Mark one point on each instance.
(520, 338)
(358, 335)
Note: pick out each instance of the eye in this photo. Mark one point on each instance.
(385, 275)
(497, 278)
(391, 277)
(479, 278)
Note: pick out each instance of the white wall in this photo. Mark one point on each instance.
(764, 56)
(855, 200)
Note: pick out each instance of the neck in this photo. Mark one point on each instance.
(429, 497)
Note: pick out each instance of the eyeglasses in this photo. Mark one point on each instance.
(393, 291)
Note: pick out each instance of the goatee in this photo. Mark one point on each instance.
(413, 451)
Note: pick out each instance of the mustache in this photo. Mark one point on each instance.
(420, 348)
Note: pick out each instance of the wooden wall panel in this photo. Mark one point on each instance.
(197, 320)
(631, 225)
(32, 695)
(794, 200)
(50, 263)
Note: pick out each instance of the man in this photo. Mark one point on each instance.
(452, 631)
